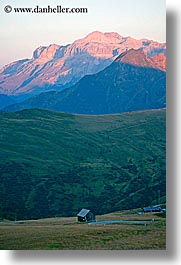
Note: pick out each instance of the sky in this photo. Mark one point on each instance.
(22, 33)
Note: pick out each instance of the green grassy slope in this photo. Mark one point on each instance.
(55, 163)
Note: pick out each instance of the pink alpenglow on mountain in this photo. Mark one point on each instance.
(57, 67)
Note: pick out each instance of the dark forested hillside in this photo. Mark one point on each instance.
(53, 164)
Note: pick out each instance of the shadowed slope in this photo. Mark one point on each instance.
(123, 86)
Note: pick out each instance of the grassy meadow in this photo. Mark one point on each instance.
(68, 234)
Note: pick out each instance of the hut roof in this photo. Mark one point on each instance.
(152, 208)
(83, 212)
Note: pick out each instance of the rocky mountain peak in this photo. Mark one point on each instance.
(135, 57)
(63, 66)
(45, 53)
(100, 37)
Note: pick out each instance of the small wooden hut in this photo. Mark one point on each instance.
(85, 215)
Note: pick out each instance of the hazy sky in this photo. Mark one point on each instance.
(22, 33)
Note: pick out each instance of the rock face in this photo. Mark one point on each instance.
(130, 83)
(58, 67)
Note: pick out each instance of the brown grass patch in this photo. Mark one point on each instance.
(66, 233)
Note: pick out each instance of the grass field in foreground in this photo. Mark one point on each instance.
(66, 233)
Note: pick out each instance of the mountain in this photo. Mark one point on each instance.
(57, 67)
(52, 164)
(130, 83)
(5, 101)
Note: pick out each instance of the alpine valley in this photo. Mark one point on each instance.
(83, 126)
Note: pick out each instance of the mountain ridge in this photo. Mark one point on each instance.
(63, 66)
(121, 87)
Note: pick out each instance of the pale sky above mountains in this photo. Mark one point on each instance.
(21, 33)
